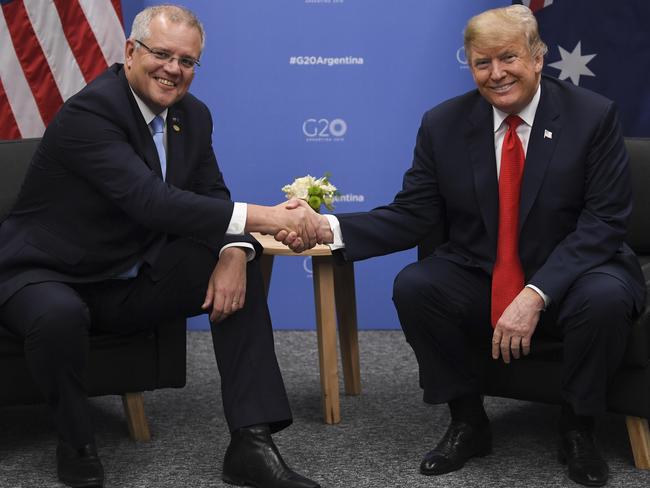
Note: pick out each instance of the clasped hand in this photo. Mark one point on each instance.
(303, 227)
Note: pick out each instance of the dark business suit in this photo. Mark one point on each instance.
(575, 201)
(92, 206)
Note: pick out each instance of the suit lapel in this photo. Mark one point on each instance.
(149, 151)
(480, 139)
(543, 140)
(143, 143)
(175, 145)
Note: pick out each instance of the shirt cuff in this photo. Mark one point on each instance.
(238, 220)
(336, 232)
(246, 246)
(545, 297)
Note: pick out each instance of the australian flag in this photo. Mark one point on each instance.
(602, 45)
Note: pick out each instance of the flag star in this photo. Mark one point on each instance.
(573, 64)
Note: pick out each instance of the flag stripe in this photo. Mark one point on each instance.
(106, 25)
(536, 5)
(23, 106)
(49, 50)
(8, 125)
(32, 60)
(117, 5)
(81, 38)
(48, 29)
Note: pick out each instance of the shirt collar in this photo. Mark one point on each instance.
(527, 114)
(147, 114)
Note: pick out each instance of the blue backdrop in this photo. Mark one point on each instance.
(314, 86)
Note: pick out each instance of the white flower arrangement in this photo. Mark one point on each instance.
(315, 191)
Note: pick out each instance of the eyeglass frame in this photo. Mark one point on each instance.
(166, 57)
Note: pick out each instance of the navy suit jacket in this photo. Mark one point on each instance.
(94, 203)
(575, 200)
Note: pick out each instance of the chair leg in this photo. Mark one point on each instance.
(637, 430)
(135, 417)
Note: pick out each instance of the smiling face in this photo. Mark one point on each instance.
(506, 74)
(158, 83)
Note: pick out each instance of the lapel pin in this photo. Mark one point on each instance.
(548, 134)
(176, 128)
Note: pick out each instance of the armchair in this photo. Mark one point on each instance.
(119, 364)
(537, 377)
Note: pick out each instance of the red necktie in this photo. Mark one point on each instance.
(508, 277)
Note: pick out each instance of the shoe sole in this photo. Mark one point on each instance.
(71, 484)
(484, 451)
(235, 481)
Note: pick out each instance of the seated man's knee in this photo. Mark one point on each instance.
(409, 286)
(63, 321)
(604, 298)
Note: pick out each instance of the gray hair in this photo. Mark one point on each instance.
(174, 13)
(491, 27)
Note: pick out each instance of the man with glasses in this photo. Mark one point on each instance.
(125, 220)
(184, 62)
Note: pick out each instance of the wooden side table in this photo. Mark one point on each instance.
(334, 297)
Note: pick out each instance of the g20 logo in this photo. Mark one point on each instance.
(324, 128)
(306, 265)
(461, 57)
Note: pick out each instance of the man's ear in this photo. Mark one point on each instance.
(129, 48)
(539, 63)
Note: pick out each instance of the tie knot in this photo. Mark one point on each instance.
(157, 124)
(514, 121)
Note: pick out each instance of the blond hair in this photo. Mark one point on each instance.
(492, 27)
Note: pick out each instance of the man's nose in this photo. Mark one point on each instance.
(496, 70)
(173, 65)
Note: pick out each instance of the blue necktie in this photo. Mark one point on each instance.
(157, 125)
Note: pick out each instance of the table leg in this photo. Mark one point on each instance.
(326, 332)
(346, 310)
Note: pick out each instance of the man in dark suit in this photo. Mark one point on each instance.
(529, 176)
(124, 220)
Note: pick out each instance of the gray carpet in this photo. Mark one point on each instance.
(379, 442)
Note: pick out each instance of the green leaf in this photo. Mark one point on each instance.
(314, 202)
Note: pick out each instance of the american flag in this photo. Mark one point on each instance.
(49, 50)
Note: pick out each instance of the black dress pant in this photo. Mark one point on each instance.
(444, 310)
(55, 320)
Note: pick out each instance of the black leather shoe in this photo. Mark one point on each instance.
(79, 468)
(579, 451)
(461, 442)
(253, 459)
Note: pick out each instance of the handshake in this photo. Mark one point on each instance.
(294, 223)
